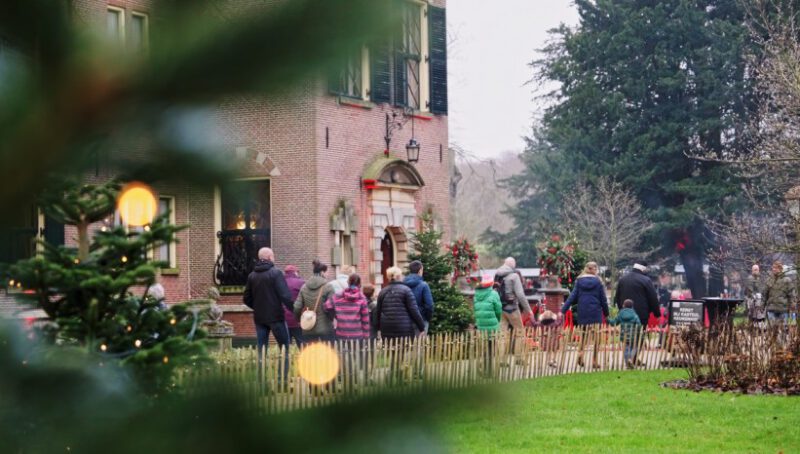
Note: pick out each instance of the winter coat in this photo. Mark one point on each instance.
(295, 283)
(351, 314)
(754, 298)
(629, 324)
(422, 294)
(638, 287)
(266, 293)
(373, 324)
(778, 293)
(514, 290)
(315, 287)
(397, 313)
(340, 283)
(488, 310)
(589, 295)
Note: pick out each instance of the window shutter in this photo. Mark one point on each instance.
(437, 28)
(400, 90)
(381, 72)
(354, 250)
(53, 231)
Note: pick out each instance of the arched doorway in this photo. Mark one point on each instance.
(387, 251)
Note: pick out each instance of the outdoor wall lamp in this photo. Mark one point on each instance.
(392, 125)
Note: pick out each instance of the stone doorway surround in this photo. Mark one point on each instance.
(392, 185)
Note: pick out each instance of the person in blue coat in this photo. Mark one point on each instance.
(589, 295)
(421, 290)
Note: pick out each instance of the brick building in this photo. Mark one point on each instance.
(318, 180)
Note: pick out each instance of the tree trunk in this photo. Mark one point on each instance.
(83, 240)
(693, 267)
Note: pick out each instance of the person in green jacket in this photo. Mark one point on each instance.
(488, 310)
(312, 297)
(488, 313)
(629, 332)
(778, 295)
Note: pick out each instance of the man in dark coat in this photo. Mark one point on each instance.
(266, 293)
(637, 286)
(397, 314)
(421, 290)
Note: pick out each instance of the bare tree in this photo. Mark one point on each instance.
(608, 222)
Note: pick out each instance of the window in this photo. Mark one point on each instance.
(115, 24)
(408, 68)
(408, 54)
(245, 222)
(351, 78)
(138, 36)
(18, 233)
(166, 252)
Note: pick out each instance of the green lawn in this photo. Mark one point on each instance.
(621, 412)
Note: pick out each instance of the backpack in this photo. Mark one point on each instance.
(500, 286)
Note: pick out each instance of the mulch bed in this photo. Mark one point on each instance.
(755, 389)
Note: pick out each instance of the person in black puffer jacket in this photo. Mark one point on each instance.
(397, 313)
(267, 293)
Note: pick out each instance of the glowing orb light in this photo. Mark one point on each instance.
(318, 364)
(137, 205)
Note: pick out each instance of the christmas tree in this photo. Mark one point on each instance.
(451, 313)
(96, 295)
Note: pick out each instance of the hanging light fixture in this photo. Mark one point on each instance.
(412, 148)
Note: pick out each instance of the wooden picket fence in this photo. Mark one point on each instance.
(443, 361)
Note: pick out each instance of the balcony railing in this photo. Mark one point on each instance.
(238, 255)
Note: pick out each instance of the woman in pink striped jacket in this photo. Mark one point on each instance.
(350, 312)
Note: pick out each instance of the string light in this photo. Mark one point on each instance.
(147, 228)
(19, 285)
(137, 343)
(173, 321)
(124, 259)
(166, 359)
(103, 228)
(129, 328)
(103, 347)
(11, 283)
(77, 261)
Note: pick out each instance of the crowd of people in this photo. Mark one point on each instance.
(325, 308)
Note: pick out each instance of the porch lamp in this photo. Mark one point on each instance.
(412, 147)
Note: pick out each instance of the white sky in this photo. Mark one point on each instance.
(490, 106)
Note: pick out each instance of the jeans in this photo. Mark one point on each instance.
(297, 335)
(281, 333)
(629, 353)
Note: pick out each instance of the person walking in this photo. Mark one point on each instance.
(638, 287)
(421, 290)
(266, 293)
(295, 283)
(312, 297)
(512, 297)
(630, 327)
(488, 314)
(397, 313)
(754, 297)
(589, 295)
(350, 311)
(778, 295)
(397, 317)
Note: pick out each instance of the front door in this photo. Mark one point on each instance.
(387, 248)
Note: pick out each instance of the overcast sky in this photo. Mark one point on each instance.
(491, 108)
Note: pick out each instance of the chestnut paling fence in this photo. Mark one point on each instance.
(443, 361)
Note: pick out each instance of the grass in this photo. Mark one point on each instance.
(620, 412)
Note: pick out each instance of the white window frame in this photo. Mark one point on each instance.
(173, 249)
(121, 13)
(145, 30)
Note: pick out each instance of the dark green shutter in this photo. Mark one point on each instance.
(437, 27)
(380, 72)
(53, 231)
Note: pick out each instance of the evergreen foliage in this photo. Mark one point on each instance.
(96, 295)
(451, 313)
(642, 87)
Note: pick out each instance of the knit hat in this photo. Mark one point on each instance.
(487, 281)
